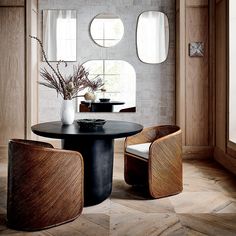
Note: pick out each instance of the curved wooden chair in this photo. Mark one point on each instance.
(84, 108)
(154, 158)
(45, 185)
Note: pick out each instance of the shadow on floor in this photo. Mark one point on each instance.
(123, 191)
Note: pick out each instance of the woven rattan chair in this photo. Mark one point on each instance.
(45, 185)
(154, 158)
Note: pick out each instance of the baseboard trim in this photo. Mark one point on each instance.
(225, 160)
(198, 152)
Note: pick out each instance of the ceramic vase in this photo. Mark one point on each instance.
(67, 112)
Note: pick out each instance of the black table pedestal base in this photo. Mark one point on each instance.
(98, 166)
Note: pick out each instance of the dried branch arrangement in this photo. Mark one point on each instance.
(68, 87)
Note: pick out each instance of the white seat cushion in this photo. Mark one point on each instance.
(141, 150)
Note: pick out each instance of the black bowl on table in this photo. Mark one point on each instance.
(104, 99)
(91, 124)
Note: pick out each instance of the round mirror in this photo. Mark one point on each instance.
(106, 30)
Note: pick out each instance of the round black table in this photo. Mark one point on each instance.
(101, 106)
(97, 149)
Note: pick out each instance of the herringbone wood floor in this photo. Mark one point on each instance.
(207, 206)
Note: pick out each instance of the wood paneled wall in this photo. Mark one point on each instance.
(12, 73)
(201, 83)
(18, 70)
(197, 77)
(221, 75)
(180, 66)
(193, 82)
(12, 3)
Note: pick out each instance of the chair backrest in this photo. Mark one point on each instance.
(22, 142)
(165, 130)
(84, 108)
(165, 162)
(45, 185)
(150, 134)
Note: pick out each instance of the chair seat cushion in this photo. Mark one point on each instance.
(141, 150)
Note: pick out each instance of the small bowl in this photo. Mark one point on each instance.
(91, 124)
(104, 99)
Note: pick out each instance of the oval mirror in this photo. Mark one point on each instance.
(152, 37)
(106, 30)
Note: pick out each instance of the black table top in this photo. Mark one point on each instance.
(111, 129)
(102, 103)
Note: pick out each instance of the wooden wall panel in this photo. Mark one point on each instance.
(197, 79)
(12, 2)
(221, 75)
(180, 66)
(196, 3)
(212, 56)
(12, 76)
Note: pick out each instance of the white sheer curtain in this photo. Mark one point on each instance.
(153, 37)
(50, 33)
(59, 36)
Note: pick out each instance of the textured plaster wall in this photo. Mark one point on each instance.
(155, 84)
